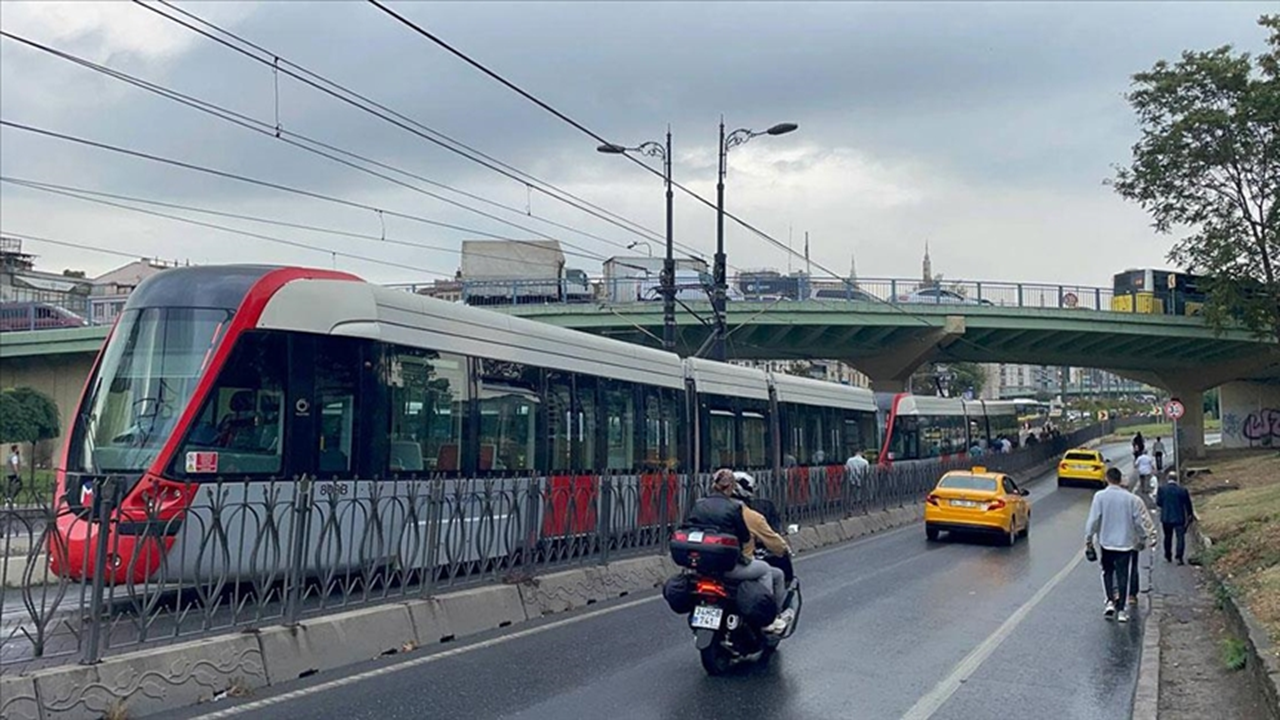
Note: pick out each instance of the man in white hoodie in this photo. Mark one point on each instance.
(1116, 519)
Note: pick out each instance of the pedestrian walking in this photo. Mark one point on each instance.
(1145, 468)
(1157, 449)
(1139, 444)
(1115, 519)
(856, 468)
(14, 484)
(1176, 513)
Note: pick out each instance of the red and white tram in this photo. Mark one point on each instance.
(257, 377)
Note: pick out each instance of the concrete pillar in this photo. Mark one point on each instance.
(888, 385)
(1191, 427)
(1250, 414)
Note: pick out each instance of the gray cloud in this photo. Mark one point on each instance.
(983, 127)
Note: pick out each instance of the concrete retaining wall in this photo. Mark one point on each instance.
(190, 673)
(1263, 662)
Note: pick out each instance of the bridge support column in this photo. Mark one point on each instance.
(890, 368)
(1250, 415)
(1191, 427)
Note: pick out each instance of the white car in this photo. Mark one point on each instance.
(940, 296)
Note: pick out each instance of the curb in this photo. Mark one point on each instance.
(198, 671)
(1146, 699)
(1263, 661)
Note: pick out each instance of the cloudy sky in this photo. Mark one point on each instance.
(985, 129)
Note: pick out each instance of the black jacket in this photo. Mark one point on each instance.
(722, 514)
(1175, 504)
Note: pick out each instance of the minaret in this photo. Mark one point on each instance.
(853, 270)
(928, 265)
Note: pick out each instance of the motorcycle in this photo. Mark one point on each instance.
(722, 633)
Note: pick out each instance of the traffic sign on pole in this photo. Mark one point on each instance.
(1174, 409)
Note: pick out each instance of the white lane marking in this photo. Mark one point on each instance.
(926, 706)
(340, 682)
(350, 679)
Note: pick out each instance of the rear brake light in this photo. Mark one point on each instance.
(720, 540)
(710, 587)
(1062, 466)
(680, 536)
(995, 504)
(931, 499)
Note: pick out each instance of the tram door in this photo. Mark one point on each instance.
(332, 445)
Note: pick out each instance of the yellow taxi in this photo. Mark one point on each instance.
(977, 501)
(1082, 466)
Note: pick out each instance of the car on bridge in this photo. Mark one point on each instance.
(977, 501)
(940, 296)
(1082, 466)
(17, 316)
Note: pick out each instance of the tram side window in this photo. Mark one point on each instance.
(904, 442)
(662, 431)
(620, 424)
(755, 439)
(722, 437)
(337, 389)
(426, 394)
(508, 432)
(240, 428)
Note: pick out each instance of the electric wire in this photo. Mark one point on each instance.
(80, 193)
(387, 114)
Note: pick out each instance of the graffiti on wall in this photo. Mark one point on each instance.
(1261, 427)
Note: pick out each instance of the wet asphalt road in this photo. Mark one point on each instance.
(892, 627)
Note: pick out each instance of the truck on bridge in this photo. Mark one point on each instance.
(516, 272)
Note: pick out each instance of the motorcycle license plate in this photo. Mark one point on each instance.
(695, 536)
(707, 617)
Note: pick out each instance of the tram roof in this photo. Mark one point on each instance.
(357, 309)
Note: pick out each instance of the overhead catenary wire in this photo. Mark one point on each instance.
(89, 195)
(260, 236)
(262, 183)
(579, 126)
(264, 128)
(599, 138)
(318, 82)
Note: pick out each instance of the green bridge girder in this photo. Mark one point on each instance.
(1162, 349)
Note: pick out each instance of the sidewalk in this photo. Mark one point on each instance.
(1194, 680)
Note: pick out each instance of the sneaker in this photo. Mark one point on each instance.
(1122, 616)
(776, 627)
(1110, 612)
(1180, 562)
(1133, 601)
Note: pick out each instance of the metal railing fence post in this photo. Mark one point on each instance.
(104, 501)
(298, 548)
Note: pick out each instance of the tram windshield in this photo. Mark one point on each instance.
(147, 376)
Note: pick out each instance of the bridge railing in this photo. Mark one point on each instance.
(895, 291)
(242, 554)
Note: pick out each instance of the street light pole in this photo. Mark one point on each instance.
(718, 297)
(668, 276)
(668, 280)
(718, 271)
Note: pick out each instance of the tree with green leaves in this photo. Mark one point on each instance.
(27, 416)
(950, 379)
(1208, 163)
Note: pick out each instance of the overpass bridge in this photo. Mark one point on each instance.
(885, 340)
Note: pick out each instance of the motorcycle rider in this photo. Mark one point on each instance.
(771, 537)
(721, 511)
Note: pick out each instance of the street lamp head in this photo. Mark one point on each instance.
(611, 149)
(781, 129)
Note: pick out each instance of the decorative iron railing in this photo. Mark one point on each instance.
(234, 555)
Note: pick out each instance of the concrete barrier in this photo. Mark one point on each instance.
(332, 641)
(184, 674)
(15, 566)
(18, 699)
(151, 680)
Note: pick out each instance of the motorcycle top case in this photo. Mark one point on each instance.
(705, 551)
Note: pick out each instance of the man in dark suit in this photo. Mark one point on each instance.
(1175, 514)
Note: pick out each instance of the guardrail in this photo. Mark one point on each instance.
(896, 291)
(244, 555)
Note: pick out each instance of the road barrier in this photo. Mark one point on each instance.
(237, 555)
